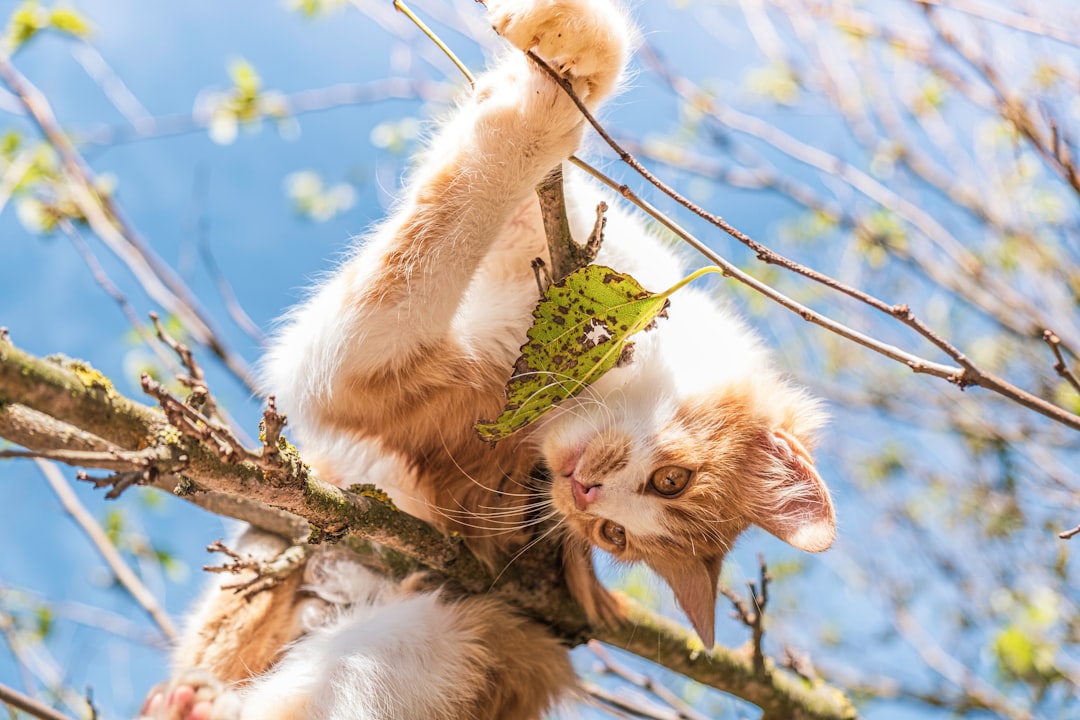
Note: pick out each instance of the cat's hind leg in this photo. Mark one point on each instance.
(422, 656)
(192, 695)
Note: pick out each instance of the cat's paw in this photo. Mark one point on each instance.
(587, 41)
(192, 695)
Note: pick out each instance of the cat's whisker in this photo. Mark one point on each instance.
(488, 531)
(497, 512)
(492, 510)
(527, 547)
(474, 481)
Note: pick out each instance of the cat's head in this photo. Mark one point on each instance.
(669, 469)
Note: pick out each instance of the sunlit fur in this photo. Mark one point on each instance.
(386, 367)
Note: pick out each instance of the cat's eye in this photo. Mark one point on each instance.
(670, 480)
(613, 533)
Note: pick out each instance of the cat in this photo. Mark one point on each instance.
(384, 370)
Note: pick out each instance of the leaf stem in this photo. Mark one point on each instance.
(700, 272)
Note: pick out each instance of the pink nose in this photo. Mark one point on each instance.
(584, 496)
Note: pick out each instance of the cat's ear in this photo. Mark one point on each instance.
(694, 581)
(797, 507)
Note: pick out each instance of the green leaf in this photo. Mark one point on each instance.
(579, 332)
(114, 526)
(314, 200)
(43, 622)
(69, 21)
(316, 8)
(779, 83)
(246, 86)
(25, 23)
(1014, 651)
(10, 144)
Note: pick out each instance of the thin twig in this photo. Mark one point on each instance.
(1006, 18)
(952, 670)
(36, 663)
(1011, 109)
(540, 272)
(682, 709)
(799, 663)
(112, 85)
(620, 706)
(401, 7)
(219, 437)
(118, 483)
(107, 222)
(192, 423)
(30, 706)
(1061, 367)
(124, 574)
(14, 173)
(755, 618)
(106, 284)
(272, 424)
(87, 615)
(104, 459)
(299, 103)
(200, 397)
(966, 375)
(228, 295)
(991, 296)
(266, 574)
(1067, 534)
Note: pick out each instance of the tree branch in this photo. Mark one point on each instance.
(124, 574)
(107, 222)
(15, 699)
(383, 537)
(966, 375)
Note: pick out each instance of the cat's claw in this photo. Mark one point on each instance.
(192, 695)
(585, 40)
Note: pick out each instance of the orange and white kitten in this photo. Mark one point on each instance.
(385, 369)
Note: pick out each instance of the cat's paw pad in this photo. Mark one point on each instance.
(587, 41)
(192, 695)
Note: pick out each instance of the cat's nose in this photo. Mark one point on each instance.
(584, 496)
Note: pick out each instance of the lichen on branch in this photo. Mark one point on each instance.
(43, 402)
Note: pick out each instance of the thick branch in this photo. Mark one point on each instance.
(385, 538)
(780, 694)
(566, 254)
(73, 392)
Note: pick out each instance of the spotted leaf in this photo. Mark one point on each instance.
(580, 331)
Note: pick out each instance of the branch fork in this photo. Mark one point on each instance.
(266, 574)
(753, 618)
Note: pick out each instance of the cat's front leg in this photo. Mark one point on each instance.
(392, 306)
(586, 41)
